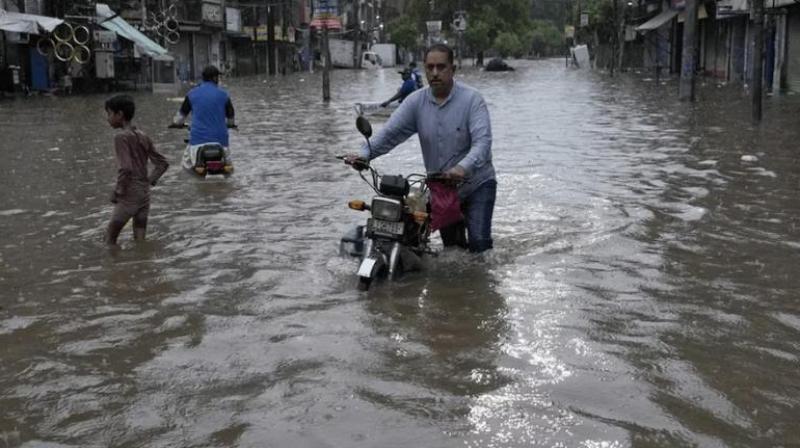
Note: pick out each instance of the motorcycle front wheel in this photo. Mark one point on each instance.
(364, 283)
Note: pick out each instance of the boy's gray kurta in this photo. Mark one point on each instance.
(456, 132)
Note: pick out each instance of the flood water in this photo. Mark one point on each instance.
(643, 289)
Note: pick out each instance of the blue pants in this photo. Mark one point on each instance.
(477, 208)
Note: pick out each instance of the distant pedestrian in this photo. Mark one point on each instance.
(415, 75)
(406, 88)
(131, 195)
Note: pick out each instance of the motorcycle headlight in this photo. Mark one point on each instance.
(387, 209)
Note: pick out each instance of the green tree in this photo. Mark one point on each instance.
(477, 38)
(403, 32)
(545, 39)
(508, 44)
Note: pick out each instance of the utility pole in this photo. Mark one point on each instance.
(255, 39)
(758, 56)
(615, 41)
(271, 40)
(357, 35)
(460, 35)
(326, 68)
(686, 89)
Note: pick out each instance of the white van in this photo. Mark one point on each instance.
(370, 59)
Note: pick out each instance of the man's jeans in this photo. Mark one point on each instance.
(477, 208)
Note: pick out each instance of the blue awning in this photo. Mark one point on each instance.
(109, 20)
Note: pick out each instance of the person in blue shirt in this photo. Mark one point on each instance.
(415, 75)
(408, 87)
(452, 122)
(211, 109)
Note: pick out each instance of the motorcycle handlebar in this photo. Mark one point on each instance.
(358, 164)
(443, 178)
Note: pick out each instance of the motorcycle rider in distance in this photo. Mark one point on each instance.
(212, 113)
(407, 88)
(415, 75)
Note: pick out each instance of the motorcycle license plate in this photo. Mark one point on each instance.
(385, 227)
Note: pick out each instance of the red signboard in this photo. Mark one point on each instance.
(331, 23)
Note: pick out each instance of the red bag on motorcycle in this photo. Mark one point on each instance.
(445, 205)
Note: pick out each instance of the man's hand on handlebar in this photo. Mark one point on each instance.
(356, 161)
(453, 176)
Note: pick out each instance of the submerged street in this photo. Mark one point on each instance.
(642, 290)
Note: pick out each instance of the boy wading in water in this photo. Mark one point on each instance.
(133, 149)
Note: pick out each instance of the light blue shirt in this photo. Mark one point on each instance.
(456, 132)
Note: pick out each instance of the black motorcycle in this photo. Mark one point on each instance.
(397, 233)
(207, 159)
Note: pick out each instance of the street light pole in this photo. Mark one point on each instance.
(758, 55)
(687, 83)
(326, 68)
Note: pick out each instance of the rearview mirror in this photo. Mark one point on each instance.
(363, 126)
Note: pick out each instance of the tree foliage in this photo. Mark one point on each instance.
(477, 36)
(501, 25)
(601, 19)
(545, 38)
(403, 32)
(508, 44)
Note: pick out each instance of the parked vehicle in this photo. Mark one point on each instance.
(387, 52)
(370, 59)
(498, 65)
(209, 158)
(396, 236)
(343, 55)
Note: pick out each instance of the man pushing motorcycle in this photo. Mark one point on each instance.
(452, 122)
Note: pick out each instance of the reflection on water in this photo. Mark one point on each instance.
(641, 292)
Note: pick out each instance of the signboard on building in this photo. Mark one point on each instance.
(326, 7)
(460, 21)
(731, 8)
(326, 15)
(262, 36)
(233, 20)
(260, 32)
(434, 26)
(212, 13)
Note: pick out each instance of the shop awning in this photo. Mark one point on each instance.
(657, 21)
(17, 22)
(111, 21)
